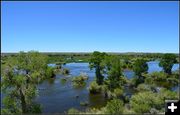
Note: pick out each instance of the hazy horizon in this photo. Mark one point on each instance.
(87, 52)
(150, 27)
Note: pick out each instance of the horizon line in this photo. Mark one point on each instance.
(86, 52)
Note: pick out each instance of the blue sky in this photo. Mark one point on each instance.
(89, 26)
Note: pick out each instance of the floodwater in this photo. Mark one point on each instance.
(57, 96)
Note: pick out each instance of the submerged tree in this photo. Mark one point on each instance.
(95, 62)
(19, 81)
(167, 62)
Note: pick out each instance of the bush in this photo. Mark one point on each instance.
(65, 71)
(59, 63)
(113, 94)
(58, 67)
(50, 72)
(114, 106)
(143, 87)
(135, 81)
(84, 75)
(84, 103)
(118, 92)
(162, 79)
(167, 94)
(94, 88)
(63, 80)
(144, 101)
(35, 108)
(79, 81)
(73, 111)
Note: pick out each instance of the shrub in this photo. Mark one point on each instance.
(79, 81)
(35, 108)
(59, 63)
(58, 66)
(50, 72)
(63, 80)
(84, 75)
(113, 94)
(94, 88)
(118, 92)
(167, 94)
(144, 101)
(162, 79)
(143, 87)
(114, 106)
(65, 71)
(73, 111)
(84, 103)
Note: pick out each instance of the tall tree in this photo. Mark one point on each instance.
(19, 81)
(167, 62)
(140, 66)
(115, 72)
(95, 62)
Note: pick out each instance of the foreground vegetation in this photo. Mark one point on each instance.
(21, 73)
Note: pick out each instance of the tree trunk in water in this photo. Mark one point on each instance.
(99, 77)
(23, 102)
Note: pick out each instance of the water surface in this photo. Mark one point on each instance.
(57, 96)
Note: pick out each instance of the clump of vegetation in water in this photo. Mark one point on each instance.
(79, 81)
(58, 63)
(162, 79)
(94, 88)
(65, 71)
(84, 103)
(73, 111)
(63, 80)
(50, 72)
(116, 93)
(84, 75)
(57, 68)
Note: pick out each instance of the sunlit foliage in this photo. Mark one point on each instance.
(19, 80)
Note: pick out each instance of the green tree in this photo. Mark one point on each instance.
(140, 66)
(167, 62)
(19, 81)
(95, 62)
(115, 73)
